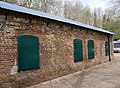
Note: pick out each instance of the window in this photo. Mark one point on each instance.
(116, 45)
(28, 53)
(107, 48)
(78, 52)
(90, 49)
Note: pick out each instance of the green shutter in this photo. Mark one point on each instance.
(90, 49)
(78, 52)
(107, 48)
(28, 53)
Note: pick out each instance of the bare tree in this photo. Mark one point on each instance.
(116, 8)
(10, 1)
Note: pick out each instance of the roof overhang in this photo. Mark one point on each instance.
(21, 9)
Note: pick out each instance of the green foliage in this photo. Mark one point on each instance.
(108, 19)
(115, 27)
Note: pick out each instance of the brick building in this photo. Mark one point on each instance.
(35, 46)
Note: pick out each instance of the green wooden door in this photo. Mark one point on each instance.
(78, 52)
(107, 48)
(90, 49)
(28, 53)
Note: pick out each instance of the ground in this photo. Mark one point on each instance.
(106, 75)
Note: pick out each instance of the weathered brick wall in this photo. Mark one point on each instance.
(56, 48)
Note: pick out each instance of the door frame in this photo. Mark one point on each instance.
(109, 48)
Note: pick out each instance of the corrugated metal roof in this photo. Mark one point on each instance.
(21, 9)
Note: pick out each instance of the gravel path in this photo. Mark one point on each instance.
(106, 75)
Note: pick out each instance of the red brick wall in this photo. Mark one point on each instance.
(56, 48)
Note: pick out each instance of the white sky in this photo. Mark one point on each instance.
(103, 4)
